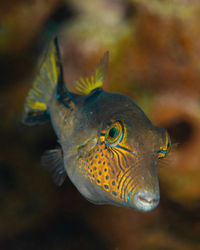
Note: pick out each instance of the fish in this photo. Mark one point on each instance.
(108, 147)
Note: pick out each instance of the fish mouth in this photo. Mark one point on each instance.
(145, 201)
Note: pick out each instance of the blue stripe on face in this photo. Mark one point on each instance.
(161, 151)
(122, 156)
(126, 149)
(128, 198)
(129, 182)
(125, 174)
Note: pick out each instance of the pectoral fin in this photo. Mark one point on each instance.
(85, 148)
(52, 160)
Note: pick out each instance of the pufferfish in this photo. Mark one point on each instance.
(108, 147)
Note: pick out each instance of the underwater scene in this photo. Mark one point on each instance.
(100, 125)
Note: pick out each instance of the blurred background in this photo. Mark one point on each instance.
(155, 59)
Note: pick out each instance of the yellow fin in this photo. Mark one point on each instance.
(87, 85)
(40, 95)
(45, 82)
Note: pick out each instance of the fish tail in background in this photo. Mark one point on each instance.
(36, 105)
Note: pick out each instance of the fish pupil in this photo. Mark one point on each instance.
(113, 132)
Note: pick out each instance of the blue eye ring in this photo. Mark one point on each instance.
(114, 134)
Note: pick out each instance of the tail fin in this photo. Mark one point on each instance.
(36, 105)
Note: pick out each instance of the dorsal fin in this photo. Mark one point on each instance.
(87, 85)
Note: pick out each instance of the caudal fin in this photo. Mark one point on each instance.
(36, 105)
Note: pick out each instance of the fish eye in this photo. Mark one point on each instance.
(166, 148)
(114, 134)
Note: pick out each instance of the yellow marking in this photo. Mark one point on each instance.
(166, 147)
(97, 174)
(37, 105)
(96, 81)
(166, 143)
(54, 68)
(92, 79)
(97, 163)
(86, 86)
(42, 89)
(83, 82)
(161, 155)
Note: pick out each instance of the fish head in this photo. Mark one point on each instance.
(123, 165)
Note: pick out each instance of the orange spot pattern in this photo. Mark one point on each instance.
(103, 169)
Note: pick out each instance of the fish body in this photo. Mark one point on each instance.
(109, 148)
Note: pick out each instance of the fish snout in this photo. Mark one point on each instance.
(145, 200)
